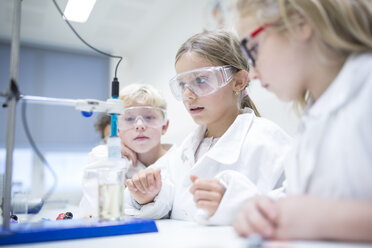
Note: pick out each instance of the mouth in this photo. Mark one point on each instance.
(265, 85)
(141, 138)
(195, 109)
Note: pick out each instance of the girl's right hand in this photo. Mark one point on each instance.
(145, 185)
(258, 216)
(131, 155)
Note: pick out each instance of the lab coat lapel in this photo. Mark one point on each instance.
(228, 147)
(344, 87)
(307, 157)
(191, 144)
(301, 161)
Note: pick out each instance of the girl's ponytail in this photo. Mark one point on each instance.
(246, 102)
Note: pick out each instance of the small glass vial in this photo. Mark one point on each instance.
(111, 193)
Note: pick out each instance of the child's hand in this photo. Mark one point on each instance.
(302, 217)
(131, 155)
(259, 215)
(145, 185)
(207, 193)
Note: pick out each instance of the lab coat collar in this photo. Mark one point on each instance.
(347, 83)
(228, 147)
(191, 144)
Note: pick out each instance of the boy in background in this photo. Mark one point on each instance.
(141, 126)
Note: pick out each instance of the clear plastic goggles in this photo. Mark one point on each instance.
(150, 116)
(201, 82)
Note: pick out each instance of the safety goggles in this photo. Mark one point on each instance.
(201, 82)
(251, 53)
(150, 116)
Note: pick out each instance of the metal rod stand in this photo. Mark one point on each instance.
(12, 103)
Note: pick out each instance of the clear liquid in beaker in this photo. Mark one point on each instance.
(111, 201)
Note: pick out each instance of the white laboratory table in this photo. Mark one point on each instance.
(173, 233)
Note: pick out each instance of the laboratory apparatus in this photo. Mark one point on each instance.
(12, 232)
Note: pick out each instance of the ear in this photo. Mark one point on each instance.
(240, 80)
(302, 28)
(165, 128)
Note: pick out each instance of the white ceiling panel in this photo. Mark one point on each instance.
(114, 25)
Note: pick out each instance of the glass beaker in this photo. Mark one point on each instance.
(111, 193)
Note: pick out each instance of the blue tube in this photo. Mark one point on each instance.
(113, 143)
(114, 117)
(114, 125)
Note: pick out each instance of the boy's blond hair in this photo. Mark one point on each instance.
(142, 94)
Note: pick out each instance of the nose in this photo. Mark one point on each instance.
(188, 94)
(140, 124)
(253, 74)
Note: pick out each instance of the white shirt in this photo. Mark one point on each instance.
(247, 160)
(205, 145)
(333, 155)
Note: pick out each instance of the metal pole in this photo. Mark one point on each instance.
(14, 65)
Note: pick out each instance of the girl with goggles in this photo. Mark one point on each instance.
(317, 53)
(201, 82)
(232, 155)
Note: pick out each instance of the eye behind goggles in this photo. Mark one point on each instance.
(150, 116)
(203, 81)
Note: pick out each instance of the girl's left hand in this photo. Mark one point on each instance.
(207, 193)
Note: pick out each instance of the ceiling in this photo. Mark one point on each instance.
(116, 25)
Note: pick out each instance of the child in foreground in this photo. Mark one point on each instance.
(318, 53)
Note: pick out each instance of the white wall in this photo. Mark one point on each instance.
(154, 64)
(272, 108)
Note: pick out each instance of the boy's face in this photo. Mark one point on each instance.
(139, 136)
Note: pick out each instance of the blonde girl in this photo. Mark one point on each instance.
(317, 53)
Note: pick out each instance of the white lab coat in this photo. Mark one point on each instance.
(247, 160)
(98, 158)
(333, 155)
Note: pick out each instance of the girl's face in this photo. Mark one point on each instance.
(280, 63)
(210, 108)
(141, 138)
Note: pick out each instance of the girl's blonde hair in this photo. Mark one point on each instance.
(220, 48)
(341, 27)
(144, 94)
